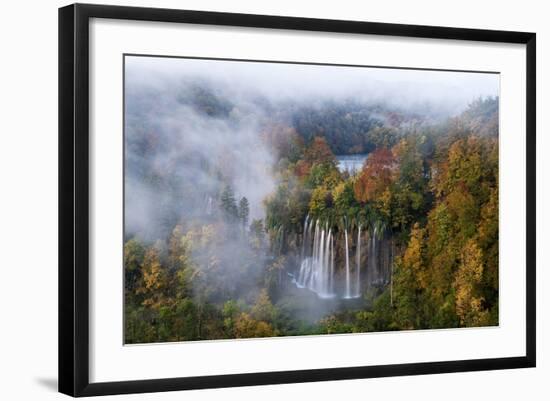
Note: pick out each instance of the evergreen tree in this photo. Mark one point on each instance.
(229, 204)
(244, 211)
(257, 233)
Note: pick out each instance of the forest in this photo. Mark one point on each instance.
(255, 216)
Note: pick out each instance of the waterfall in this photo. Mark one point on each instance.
(358, 264)
(314, 259)
(326, 265)
(374, 257)
(331, 266)
(304, 238)
(316, 271)
(373, 272)
(209, 205)
(348, 278)
(319, 276)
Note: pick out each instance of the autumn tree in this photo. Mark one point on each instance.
(321, 202)
(410, 281)
(263, 308)
(488, 234)
(469, 302)
(409, 194)
(376, 176)
(319, 152)
(176, 248)
(154, 279)
(248, 327)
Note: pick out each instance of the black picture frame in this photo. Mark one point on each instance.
(74, 198)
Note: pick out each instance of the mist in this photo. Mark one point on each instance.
(196, 151)
(443, 92)
(187, 144)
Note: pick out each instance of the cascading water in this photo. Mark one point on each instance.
(208, 208)
(348, 275)
(325, 288)
(331, 266)
(319, 273)
(358, 265)
(305, 238)
(372, 259)
(316, 271)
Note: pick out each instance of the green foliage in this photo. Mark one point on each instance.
(350, 127)
(321, 202)
(409, 195)
(244, 211)
(257, 234)
(229, 204)
(134, 253)
(344, 199)
(288, 205)
(323, 174)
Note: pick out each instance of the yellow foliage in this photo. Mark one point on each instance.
(413, 257)
(469, 306)
(154, 278)
(263, 309)
(247, 327)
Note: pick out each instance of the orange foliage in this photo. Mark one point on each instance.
(302, 168)
(319, 152)
(376, 175)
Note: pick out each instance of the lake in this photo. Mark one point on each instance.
(351, 163)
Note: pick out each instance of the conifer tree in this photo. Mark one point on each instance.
(229, 204)
(244, 211)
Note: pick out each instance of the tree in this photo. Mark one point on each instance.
(319, 152)
(229, 204)
(323, 174)
(288, 205)
(409, 195)
(318, 165)
(414, 257)
(344, 199)
(481, 116)
(274, 276)
(488, 242)
(376, 176)
(257, 233)
(263, 309)
(248, 327)
(154, 279)
(244, 210)
(176, 248)
(469, 304)
(321, 202)
(134, 252)
(410, 281)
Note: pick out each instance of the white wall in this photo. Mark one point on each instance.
(28, 188)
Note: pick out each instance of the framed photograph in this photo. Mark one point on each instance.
(250, 199)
